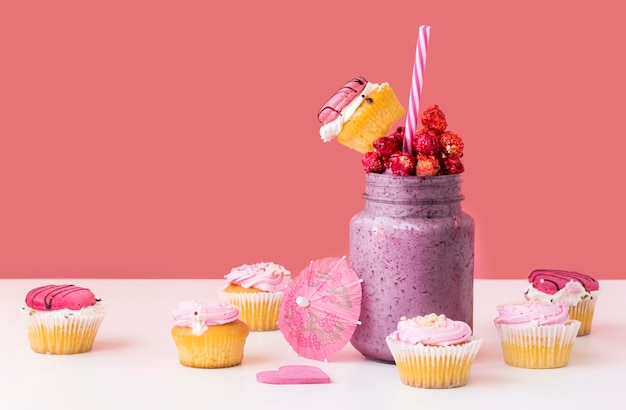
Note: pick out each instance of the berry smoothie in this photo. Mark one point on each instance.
(413, 246)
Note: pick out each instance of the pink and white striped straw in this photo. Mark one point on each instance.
(416, 87)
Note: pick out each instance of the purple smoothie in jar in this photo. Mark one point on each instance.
(413, 246)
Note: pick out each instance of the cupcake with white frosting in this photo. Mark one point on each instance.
(257, 290)
(578, 291)
(62, 319)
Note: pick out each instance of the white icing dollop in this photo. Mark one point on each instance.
(572, 293)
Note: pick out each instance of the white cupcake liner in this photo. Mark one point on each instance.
(434, 366)
(62, 331)
(539, 335)
(538, 346)
(259, 310)
(583, 311)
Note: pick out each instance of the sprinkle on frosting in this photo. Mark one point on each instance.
(264, 276)
(200, 315)
(532, 313)
(431, 330)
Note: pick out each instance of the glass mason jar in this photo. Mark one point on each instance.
(413, 246)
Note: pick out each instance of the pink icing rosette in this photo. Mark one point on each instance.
(200, 315)
(433, 330)
(535, 313)
(264, 276)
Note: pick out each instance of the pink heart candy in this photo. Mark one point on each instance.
(293, 374)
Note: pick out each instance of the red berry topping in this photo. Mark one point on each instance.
(434, 118)
(453, 165)
(427, 165)
(398, 132)
(402, 164)
(372, 162)
(425, 142)
(451, 143)
(385, 146)
(436, 151)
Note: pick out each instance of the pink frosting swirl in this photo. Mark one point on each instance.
(431, 330)
(200, 315)
(265, 276)
(532, 313)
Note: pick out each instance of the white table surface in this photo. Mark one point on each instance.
(133, 364)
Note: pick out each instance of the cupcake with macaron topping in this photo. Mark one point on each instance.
(257, 290)
(535, 334)
(62, 319)
(579, 291)
(433, 351)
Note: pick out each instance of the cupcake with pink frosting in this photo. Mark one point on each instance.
(579, 291)
(62, 319)
(257, 290)
(433, 351)
(208, 335)
(536, 334)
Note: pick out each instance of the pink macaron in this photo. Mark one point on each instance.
(332, 109)
(55, 297)
(551, 281)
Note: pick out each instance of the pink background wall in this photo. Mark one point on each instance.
(180, 139)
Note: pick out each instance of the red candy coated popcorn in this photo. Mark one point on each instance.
(434, 118)
(385, 146)
(402, 164)
(451, 143)
(437, 151)
(426, 142)
(427, 165)
(453, 165)
(372, 162)
(399, 132)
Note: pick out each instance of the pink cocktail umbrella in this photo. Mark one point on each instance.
(321, 308)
